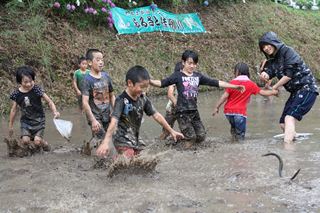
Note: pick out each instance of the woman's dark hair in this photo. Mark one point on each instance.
(24, 71)
(242, 69)
(190, 54)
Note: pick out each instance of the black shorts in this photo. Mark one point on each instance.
(32, 130)
(298, 105)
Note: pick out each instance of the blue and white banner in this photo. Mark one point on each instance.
(144, 19)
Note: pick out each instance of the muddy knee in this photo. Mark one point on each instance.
(25, 140)
(37, 141)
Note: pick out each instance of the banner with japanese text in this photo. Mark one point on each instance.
(144, 19)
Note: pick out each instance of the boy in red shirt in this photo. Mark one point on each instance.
(235, 108)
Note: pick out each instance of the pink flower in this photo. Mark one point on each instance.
(104, 1)
(91, 10)
(56, 5)
(110, 13)
(86, 10)
(68, 7)
(112, 5)
(73, 7)
(110, 25)
(104, 10)
(94, 12)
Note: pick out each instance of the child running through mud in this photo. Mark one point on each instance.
(78, 77)
(126, 118)
(235, 108)
(187, 82)
(97, 96)
(32, 121)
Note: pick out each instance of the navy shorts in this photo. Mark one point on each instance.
(238, 125)
(32, 130)
(298, 105)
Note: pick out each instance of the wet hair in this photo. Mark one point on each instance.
(178, 67)
(190, 54)
(24, 71)
(81, 59)
(137, 74)
(90, 52)
(242, 69)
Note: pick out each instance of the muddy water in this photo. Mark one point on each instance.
(221, 177)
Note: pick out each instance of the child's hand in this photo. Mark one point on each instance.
(177, 135)
(56, 114)
(95, 126)
(264, 76)
(275, 92)
(78, 93)
(241, 88)
(215, 111)
(103, 149)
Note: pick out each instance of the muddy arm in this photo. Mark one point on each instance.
(51, 105)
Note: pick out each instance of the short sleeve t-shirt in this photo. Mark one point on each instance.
(79, 76)
(98, 90)
(30, 104)
(188, 88)
(237, 101)
(129, 114)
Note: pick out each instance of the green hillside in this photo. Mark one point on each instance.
(52, 44)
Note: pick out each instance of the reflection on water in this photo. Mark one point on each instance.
(226, 177)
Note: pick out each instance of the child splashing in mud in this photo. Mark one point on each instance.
(235, 108)
(32, 122)
(123, 130)
(187, 82)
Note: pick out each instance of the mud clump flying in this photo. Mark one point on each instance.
(127, 166)
(16, 149)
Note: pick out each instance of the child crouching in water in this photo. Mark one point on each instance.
(126, 118)
(28, 97)
(235, 108)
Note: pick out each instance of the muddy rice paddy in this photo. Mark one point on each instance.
(218, 176)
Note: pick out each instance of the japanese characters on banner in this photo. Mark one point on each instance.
(145, 19)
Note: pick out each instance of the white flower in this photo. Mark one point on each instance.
(20, 1)
(78, 3)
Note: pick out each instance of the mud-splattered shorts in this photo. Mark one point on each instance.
(32, 130)
(128, 152)
(191, 126)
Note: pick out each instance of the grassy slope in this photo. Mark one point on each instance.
(52, 45)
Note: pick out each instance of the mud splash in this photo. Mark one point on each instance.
(217, 176)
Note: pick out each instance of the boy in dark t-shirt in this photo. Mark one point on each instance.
(28, 97)
(187, 82)
(97, 94)
(127, 116)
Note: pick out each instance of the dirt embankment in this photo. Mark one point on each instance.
(52, 45)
